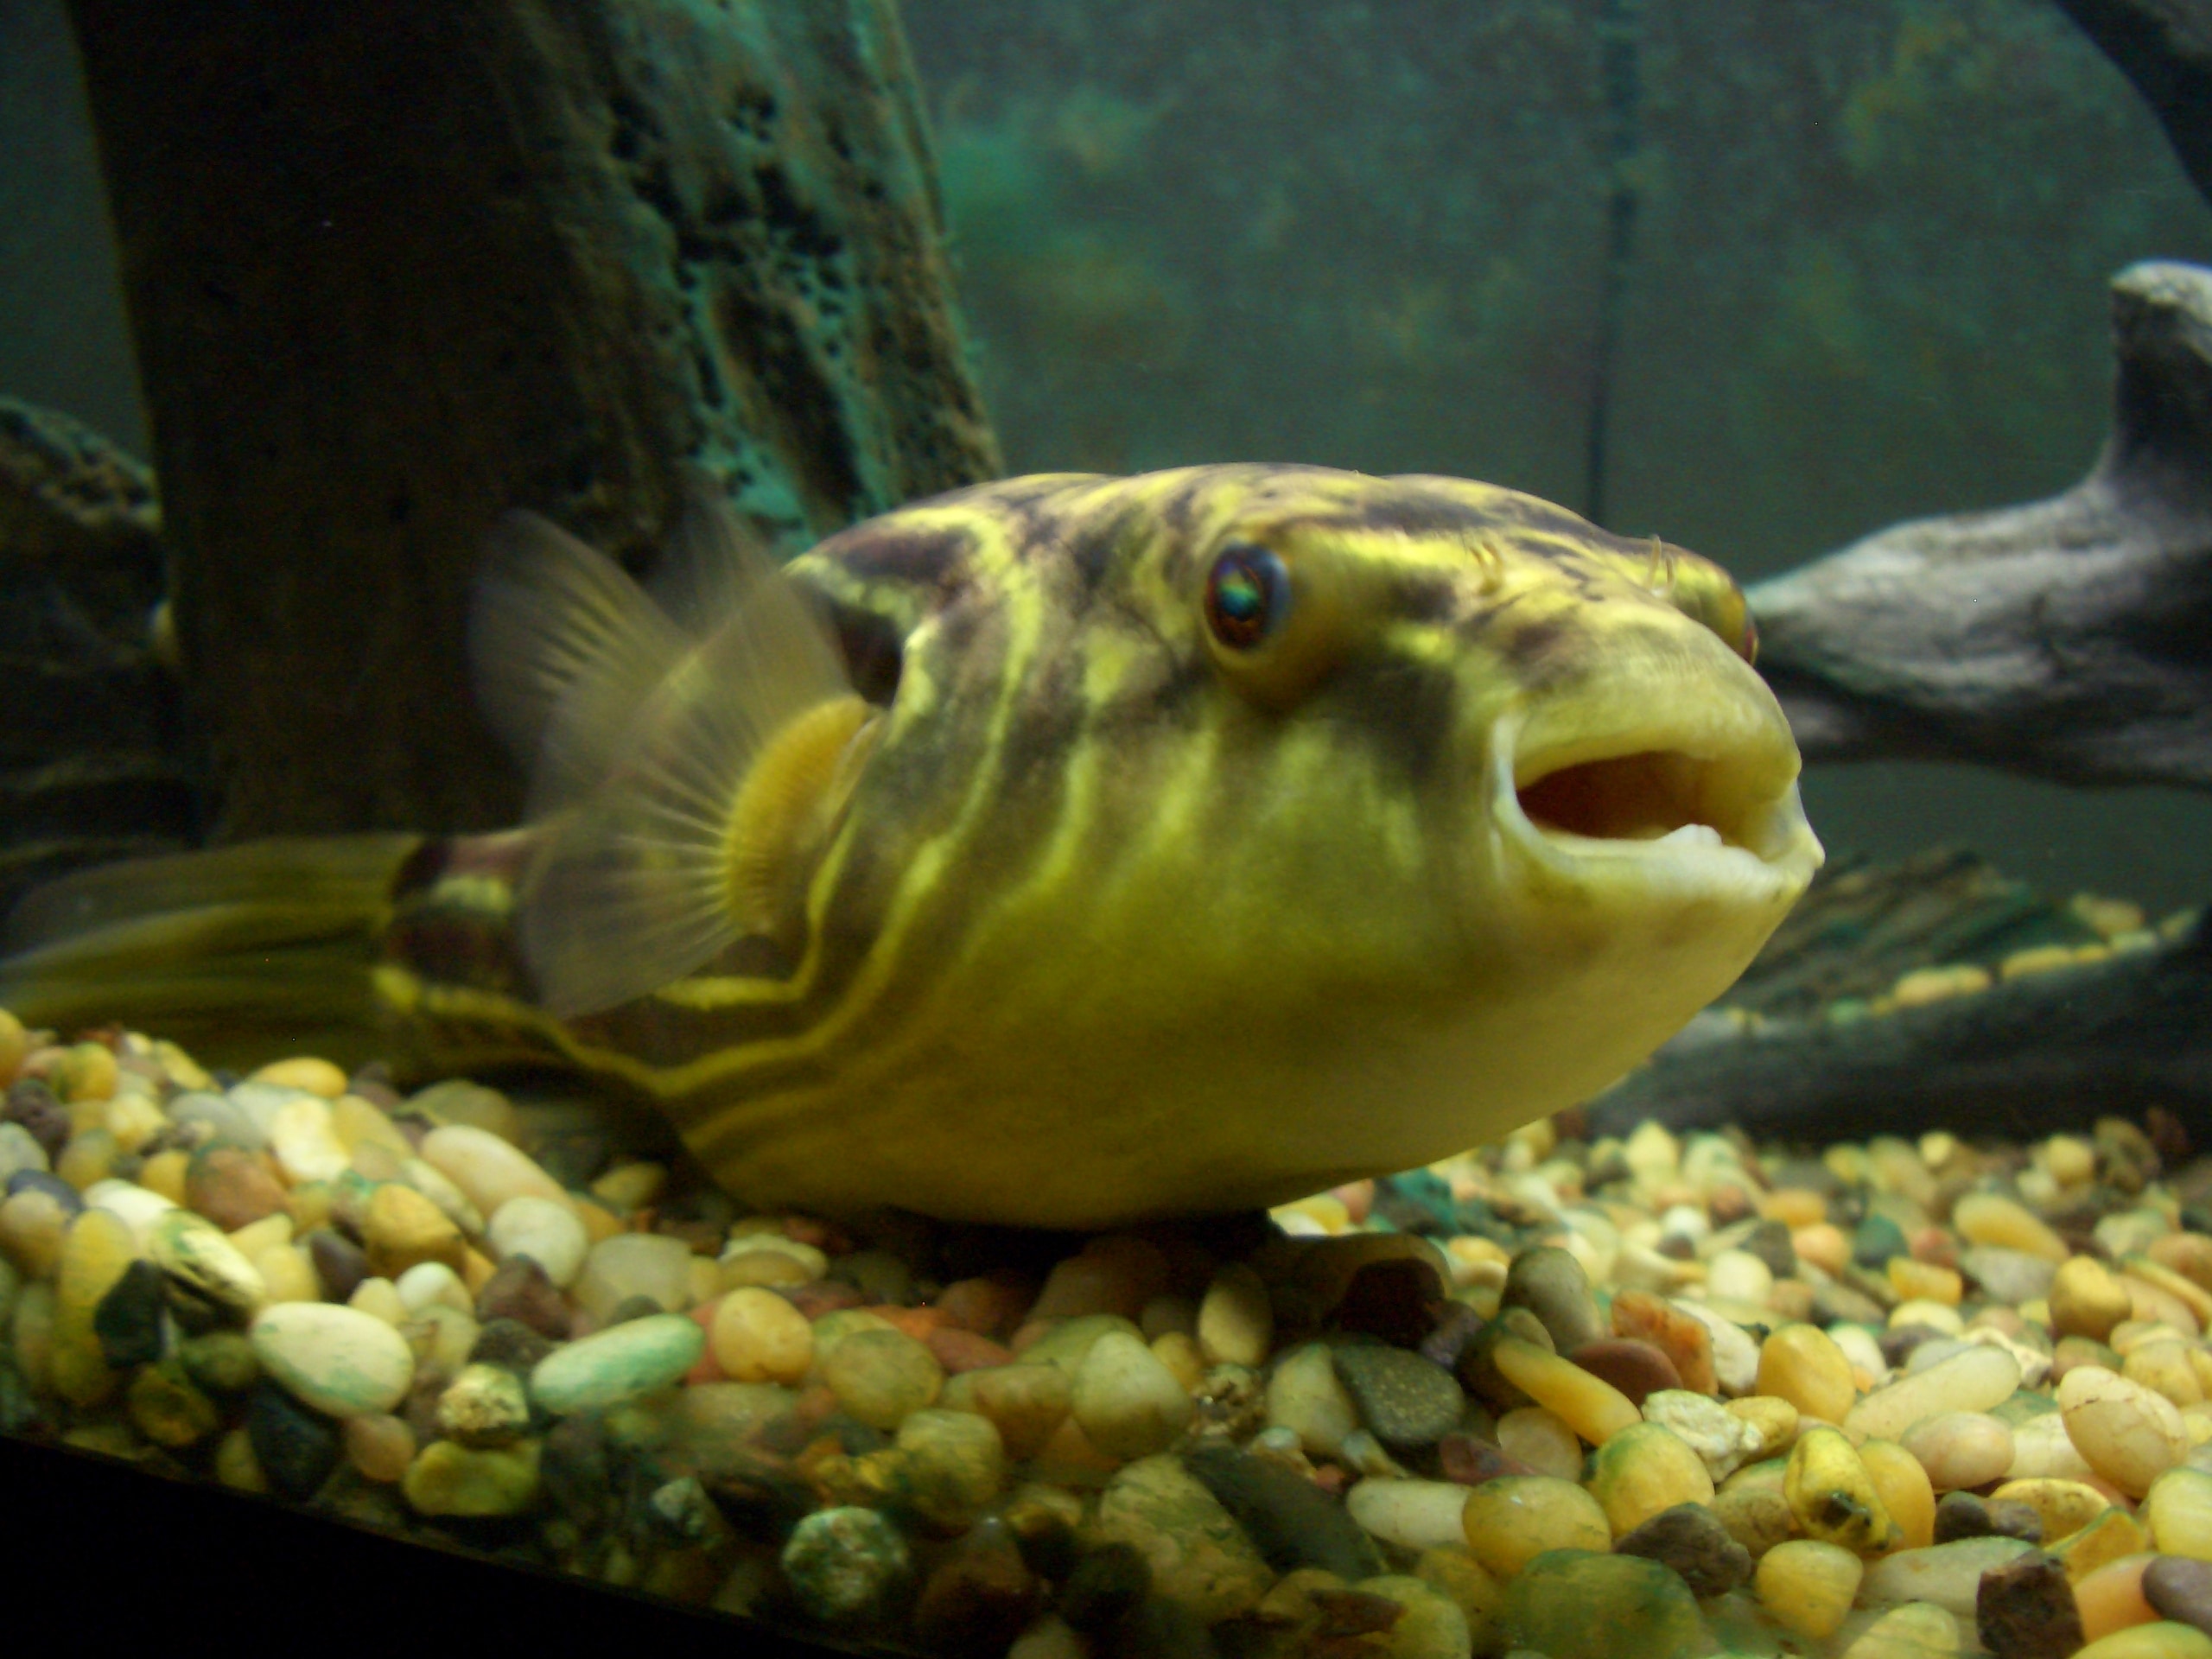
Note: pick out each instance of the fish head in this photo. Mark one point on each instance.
(1413, 807)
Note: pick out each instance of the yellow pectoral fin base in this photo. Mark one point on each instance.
(784, 814)
(692, 756)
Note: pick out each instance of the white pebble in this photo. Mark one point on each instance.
(136, 1206)
(548, 1233)
(428, 1282)
(1412, 1514)
(488, 1170)
(305, 1140)
(339, 1360)
(1126, 1401)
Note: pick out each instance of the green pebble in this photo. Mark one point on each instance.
(616, 1364)
(1877, 1239)
(842, 1564)
(168, 1409)
(1403, 1399)
(1573, 1604)
(449, 1479)
(222, 1362)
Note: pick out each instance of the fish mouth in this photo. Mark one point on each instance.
(1689, 807)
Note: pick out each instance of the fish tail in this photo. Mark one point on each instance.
(239, 949)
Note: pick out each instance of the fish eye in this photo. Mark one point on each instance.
(1248, 596)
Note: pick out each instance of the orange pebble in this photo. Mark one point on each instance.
(1795, 1206)
(1824, 1244)
(707, 1370)
(986, 1307)
(965, 1351)
(916, 1322)
(2111, 1598)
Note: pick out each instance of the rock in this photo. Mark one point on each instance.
(96, 1252)
(2128, 1433)
(2180, 1589)
(1428, 1625)
(1946, 1574)
(1638, 1368)
(128, 1321)
(1026, 1403)
(428, 1284)
(980, 1597)
(618, 1365)
(1975, 1379)
(1571, 1605)
(2178, 1511)
(757, 1336)
(1511, 1521)
(844, 1564)
(338, 1360)
(1738, 1276)
(519, 1291)
(1550, 1283)
(511, 1344)
(1307, 1398)
(651, 1265)
(2024, 1610)
(168, 1409)
(1534, 1436)
(484, 1405)
(1992, 1218)
(1403, 1399)
(1291, 1521)
(1875, 1241)
(1645, 1469)
(1127, 1404)
(294, 1448)
(2087, 1299)
(1757, 1518)
(1964, 1515)
(341, 1265)
(1735, 1355)
(208, 1279)
(880, 1375)
(1108, 1583)
(954, 1462)
(1691, 1540)
(488, 1170)
(402, 1230)
(220, 1362)
(1469, 1462)
(1477, 1367)
(1722, 1440)
(1961, 1448)
(1198, 1556)
(304, 1141)
(232, 1186)
(2008, 1276)
(33, 1222)
(31, 1104)
(1832, 1494)
(1801, 1363)
(1413, 1514)
(449, 1479)
(379, 1446)
(1235, 1322)
(20, 1150)
(545, 1230)
(1809, 1586)
(1594, 1408)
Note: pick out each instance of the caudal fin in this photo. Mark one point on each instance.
(241, 951)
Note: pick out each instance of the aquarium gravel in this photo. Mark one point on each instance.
(1649, 1397)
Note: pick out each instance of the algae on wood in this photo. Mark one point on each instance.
(393, 268)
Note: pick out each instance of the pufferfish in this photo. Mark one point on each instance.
(1067, 850)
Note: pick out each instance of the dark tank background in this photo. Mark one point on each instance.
(1867, 279)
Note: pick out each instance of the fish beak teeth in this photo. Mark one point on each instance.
(1691, 809)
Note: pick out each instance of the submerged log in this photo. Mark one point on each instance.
(94, 763)
(393, 268)
(1937, 995)
(2063, 639)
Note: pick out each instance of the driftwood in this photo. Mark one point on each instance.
(93, 759)
(394, 268)
(2066, 640)
(1809, 1047)
(2165, 47)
